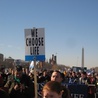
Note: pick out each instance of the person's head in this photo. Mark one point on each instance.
(56, 76)
(45, 72)
(18, 72)
(52, 89)
(73, 74)
(83, 74)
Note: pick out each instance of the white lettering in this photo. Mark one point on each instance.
(77, 95)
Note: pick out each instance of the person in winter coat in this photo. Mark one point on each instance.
(21, 86)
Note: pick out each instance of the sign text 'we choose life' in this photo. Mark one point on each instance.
(35, 44)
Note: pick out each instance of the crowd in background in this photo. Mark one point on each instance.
(19, 82)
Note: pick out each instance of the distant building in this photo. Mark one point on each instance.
(55, 57)
(53, 60)
(1, 57)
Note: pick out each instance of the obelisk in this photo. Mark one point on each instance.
(82, 58)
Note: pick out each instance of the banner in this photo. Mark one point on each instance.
(76, 90)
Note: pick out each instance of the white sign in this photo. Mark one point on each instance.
(35, 44)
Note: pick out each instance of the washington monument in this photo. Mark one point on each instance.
(82, 58)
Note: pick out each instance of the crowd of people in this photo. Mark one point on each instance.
(19, 82)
